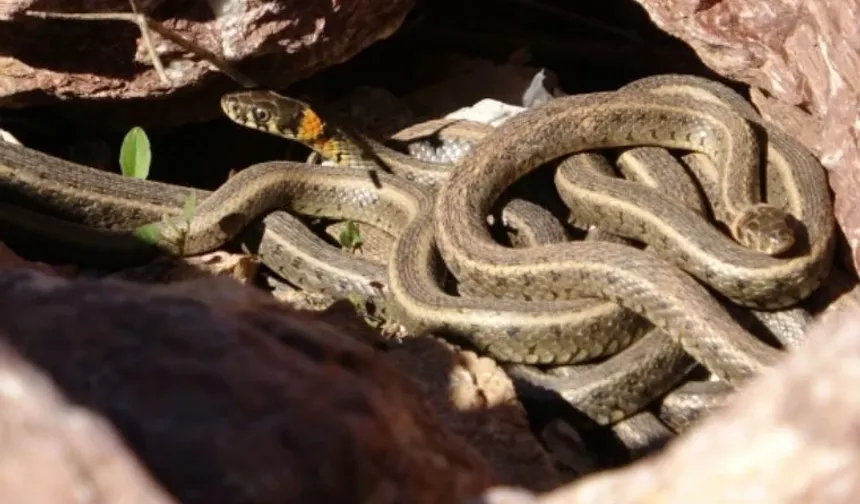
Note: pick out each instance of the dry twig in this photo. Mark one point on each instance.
(145, 24)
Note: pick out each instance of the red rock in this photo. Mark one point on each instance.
(789, 437)
(224, 395)
(279, 41)
(802, 61)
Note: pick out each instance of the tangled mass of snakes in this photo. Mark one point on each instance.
(641, 229)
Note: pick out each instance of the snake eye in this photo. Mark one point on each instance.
(261, 115)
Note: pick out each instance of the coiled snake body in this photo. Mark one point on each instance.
(512, 330)
(582, 300)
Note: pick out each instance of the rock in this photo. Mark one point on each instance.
(223, 395)
(802, 61)
(789, 437)
(477, 400)
(280, 42)
(55, 451)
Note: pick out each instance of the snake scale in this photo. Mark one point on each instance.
(583, 300)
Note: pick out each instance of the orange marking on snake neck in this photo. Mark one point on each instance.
(311, 131)
(310, 127)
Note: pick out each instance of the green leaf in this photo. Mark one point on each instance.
(189, 206)
(148, 233)
(350, 238)
(135, 154)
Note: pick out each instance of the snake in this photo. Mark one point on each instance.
(266, 111)
(279, 115)
(47, 201)
(503, 317)
(682, 406)
(640, 282)
(109, 206)
(86, 214)
(535, 333)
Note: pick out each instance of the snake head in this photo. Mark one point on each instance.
(272, 113)
(764, 228)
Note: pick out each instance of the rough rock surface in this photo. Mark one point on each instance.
(477, 400)
(224, 395)
(275, 42)
(791, 437)
(55, 451)
(802, 61)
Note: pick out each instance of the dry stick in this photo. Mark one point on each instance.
(140, 20)
(144, 24)
(150, 47)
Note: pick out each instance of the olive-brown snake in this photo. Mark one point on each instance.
(537, 331)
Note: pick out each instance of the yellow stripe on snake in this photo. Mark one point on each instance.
(549, 302)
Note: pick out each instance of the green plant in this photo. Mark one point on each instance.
(151, 233)
(350, 238)
(135, 158)
(135, 154)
